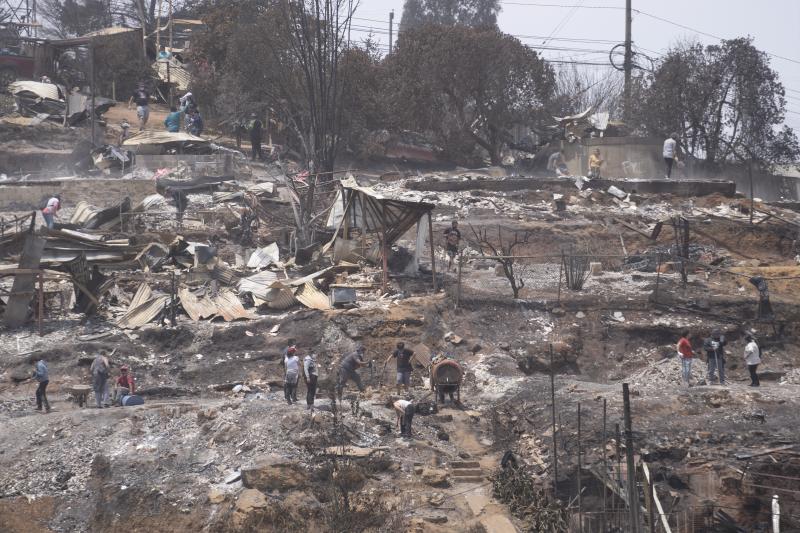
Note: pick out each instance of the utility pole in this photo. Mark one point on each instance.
(628, 60)
(349, 20)
(391, 29)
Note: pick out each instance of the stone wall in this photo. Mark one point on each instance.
(643, 156)
(23, 196)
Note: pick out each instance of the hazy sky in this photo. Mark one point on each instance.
(774, 25)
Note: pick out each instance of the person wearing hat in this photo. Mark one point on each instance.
(291, 363)
(256, 128)
(752, 356)
(347, 370)
(124, 385)
(715, 351)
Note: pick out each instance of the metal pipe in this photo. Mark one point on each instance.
(580, 480)
(553, 410)
(633, 493)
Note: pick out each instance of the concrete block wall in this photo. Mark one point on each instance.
(99, 192)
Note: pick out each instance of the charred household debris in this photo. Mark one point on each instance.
(418, 348)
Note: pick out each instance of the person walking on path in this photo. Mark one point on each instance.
(292, 367)
(404, 366)
(752, 356)
(686, 354)
(310, 375)
(256, 128)
(141, 97)
(41, 375)
(348, 371)
(50, 210)
(715, 351)
(670, 153)
(100, 370)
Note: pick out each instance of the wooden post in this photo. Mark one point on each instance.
(172, 303)
(433, 250)
(458, 287)
(605, 467)
(580, 479)
(633, 493)
(560, 267)
(553, 411)
(658, 278)
(41, 302)
(384, 250)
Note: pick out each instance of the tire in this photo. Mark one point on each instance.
(7, 77)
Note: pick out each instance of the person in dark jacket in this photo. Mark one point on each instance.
(41, 375)
(310, 374)
(256, 128)
(348, 371)
(715, 351)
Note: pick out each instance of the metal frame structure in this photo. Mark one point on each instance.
(22, 14)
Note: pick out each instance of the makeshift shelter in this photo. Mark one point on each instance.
(387, 216)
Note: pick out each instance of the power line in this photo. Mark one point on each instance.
(539, 4)
(562, 23)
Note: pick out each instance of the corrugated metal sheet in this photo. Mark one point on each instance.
(277, 296)
(229, 307)
(263, 257)
(225, 274)
(258, 284)
(310, 296)
(177, 74)
(143, 293)
(149, 202)
(196, 308)
(144, 307)
(93, 256)
(50, 91)
(161, 137)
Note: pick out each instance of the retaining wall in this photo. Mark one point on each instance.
(23, 196)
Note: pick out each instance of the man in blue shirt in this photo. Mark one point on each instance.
(41, 375)
(173, 120)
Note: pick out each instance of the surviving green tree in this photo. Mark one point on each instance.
(473, 13)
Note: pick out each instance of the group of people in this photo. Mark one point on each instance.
(348, 371)
(714, 348)
(188, 109)
(124, 384)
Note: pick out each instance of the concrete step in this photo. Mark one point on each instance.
(465, 464)
(469, 479)
(461, 472)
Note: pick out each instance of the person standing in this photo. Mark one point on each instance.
(124, 385)
(292, 367)
(594, 164)
(41, 375)
(51, 209)
(256, 128)
(347, 371)
(752, 356)
(141, 97)
(125, 133)
(404, 368)
(715, 351)
(100, 370)
(173, 121)
(187, 101)
(670, 153)
(405, 415)
(310, 375)
(452, 236)
(686, 354)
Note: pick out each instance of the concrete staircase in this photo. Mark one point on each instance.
(466, 472)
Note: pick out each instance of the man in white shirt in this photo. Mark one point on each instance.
(752, 356)
(670, 153)
(405, 414)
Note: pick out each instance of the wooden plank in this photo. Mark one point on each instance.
(17, 309)
(659, 508)
(764, 452)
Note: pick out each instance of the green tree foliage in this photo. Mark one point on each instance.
(473, 13)
(467, 87)
(725, 102)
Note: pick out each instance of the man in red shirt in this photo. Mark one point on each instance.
(124, 385)
(686, 354)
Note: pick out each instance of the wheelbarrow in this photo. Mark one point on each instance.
(78, 393)
(446, 376)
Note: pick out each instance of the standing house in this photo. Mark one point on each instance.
(360, 213)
